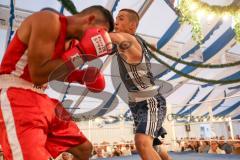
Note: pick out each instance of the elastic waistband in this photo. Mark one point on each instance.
(8, 80)
(142, 95)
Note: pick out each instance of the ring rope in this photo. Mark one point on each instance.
(199, 65)
(11, 20)
(193, 77)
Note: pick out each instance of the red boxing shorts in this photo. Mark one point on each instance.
(30, 128)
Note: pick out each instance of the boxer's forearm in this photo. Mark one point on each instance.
(51, 70)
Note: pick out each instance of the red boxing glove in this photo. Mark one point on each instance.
(91, 77)
(94, 79)
(94, 43)
(76, 76)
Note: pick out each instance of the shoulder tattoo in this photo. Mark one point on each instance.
(124, 45)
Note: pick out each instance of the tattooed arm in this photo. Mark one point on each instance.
(128, 46)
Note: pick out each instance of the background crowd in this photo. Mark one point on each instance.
(215, 145)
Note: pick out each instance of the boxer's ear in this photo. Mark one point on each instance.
(91, 19)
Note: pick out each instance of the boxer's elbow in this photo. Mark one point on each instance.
(38, 79)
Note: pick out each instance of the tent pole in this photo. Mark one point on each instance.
(231, 127)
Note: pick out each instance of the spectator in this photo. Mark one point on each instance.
(214, 148)
(94, 152)
(236, 147)
(126, 151)
(225, 146)
(196, 145)
(106, 151)
(204, 147)
(116, 152)
(99, 153)
(182, 144)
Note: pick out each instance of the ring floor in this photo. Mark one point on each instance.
(184, 156)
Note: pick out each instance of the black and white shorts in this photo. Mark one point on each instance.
(149, 115)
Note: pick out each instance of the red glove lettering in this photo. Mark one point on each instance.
(94, 43)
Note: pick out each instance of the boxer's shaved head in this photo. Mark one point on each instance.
(133, 15)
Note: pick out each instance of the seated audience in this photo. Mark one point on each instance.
(126, 151)
(214, 148)
(225, 146)
(204, 147)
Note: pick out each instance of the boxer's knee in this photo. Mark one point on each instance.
(143, 141)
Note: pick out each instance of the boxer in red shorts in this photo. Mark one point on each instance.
(29, 126)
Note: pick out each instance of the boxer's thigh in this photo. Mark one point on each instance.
(64, 133)
(24, 125)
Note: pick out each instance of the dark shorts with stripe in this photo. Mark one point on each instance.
(149, 115)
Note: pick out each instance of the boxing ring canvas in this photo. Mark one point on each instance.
(184, 156)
